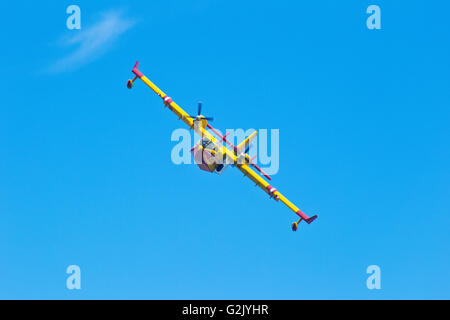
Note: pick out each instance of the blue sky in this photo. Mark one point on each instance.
(87, 179)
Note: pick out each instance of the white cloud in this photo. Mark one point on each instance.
(93, 41)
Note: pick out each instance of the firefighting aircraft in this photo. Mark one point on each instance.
(209, 148)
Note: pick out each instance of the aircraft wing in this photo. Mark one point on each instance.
(274, 193)
(168, 102)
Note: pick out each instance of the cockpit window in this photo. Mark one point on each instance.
(207, 143)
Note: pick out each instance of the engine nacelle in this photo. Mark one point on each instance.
(272, 192)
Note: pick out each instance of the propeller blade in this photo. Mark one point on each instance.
(209, 118)
(199, 108)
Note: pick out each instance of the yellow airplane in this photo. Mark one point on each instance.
(209, 149)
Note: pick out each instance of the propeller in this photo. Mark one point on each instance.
(199, 108)
(199, 116)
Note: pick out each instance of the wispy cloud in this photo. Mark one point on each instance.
(93, 41)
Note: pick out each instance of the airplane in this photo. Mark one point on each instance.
(209, 148)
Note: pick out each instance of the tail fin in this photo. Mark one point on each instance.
(244, 144)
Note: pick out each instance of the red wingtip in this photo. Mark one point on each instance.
(136, 70)
(307, 219)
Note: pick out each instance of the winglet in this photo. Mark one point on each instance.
(137, 73)
(136, 70)
(307, 219)
(302, 217)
